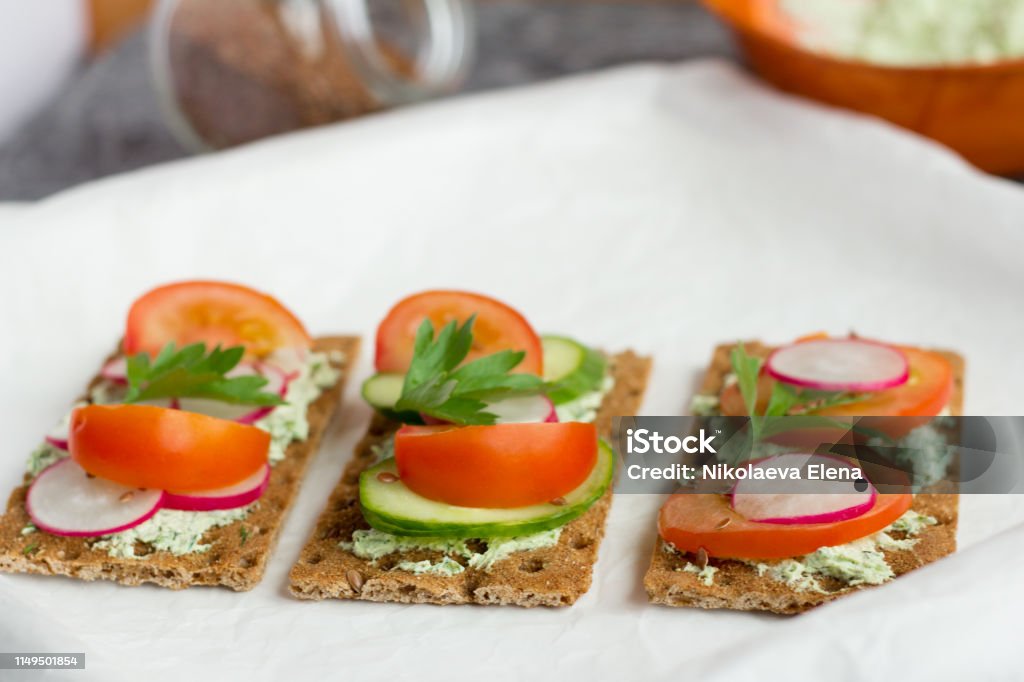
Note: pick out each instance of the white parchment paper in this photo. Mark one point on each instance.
(663, 208)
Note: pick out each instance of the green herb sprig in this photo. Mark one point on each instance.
(439, 385)
(191, 372)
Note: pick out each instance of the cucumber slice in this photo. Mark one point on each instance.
(571, 369)
(393, 508)
(382, 391)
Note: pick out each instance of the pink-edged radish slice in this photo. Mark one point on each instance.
(58, 435)
(807, 499)
(839, 365)
(289, 360)
(116, 370)
(59, 443)
(65, 500)
(519, 410)
(277, 382)
(237, 495)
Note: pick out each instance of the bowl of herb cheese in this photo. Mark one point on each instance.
(952, 70)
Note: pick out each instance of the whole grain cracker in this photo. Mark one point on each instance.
(552, 576)
(239, 551)
(737, 585)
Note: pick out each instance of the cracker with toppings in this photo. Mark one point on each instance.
(925, 534)
(555, 571)
(216, 548)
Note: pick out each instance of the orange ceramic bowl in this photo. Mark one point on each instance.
(976, 110)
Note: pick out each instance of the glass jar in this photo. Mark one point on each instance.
(232, 71)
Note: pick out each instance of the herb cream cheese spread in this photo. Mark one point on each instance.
(911, 32)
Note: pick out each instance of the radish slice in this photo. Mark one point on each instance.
(116, 370)
(839, 365)
(65, 500)
(790, 500)
(59, 443)
(289, 360)
(277, 382)
(237, 495)
(58, 435)
(525, 409)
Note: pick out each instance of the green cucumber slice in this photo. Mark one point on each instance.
(382, 391)
(393, 508)
(571, 369)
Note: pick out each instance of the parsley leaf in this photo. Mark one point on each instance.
(747, 368)
(436, 384)
(191, 372)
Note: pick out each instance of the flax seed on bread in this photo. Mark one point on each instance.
(552, 576)
(738, 586)
(239, 551)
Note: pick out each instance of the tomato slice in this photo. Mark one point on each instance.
(213, 313)
(157, 447)
(692, 521)
(499, 466)
(497, 327)
(925, 394)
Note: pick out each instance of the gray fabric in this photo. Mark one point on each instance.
(107, 119)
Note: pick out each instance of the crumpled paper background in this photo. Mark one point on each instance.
(664, 208)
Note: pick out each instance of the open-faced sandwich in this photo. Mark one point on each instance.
(747, 550)
(484, 477)
(179, 463)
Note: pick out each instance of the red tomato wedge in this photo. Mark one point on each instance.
(497, 327)
(156, 447)
(925, 394)
(213, 313)
(497, 467)
(692, 521)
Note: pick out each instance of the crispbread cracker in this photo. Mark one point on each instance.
(237, 559)
(553, 576)
(738, 586)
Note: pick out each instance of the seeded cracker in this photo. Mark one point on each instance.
(552, 576)
(239, 551)
(738, 586)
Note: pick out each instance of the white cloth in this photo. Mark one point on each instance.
(664, 208)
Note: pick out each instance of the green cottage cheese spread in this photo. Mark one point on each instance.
(925, 451)
(446, 567)
(42, 457)
(287, 423)
(585, 407)
(706, 575)
(372, 544)
(860, 562)
(181, 532)
(911, 32)
(177, 532)
(502, 548)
